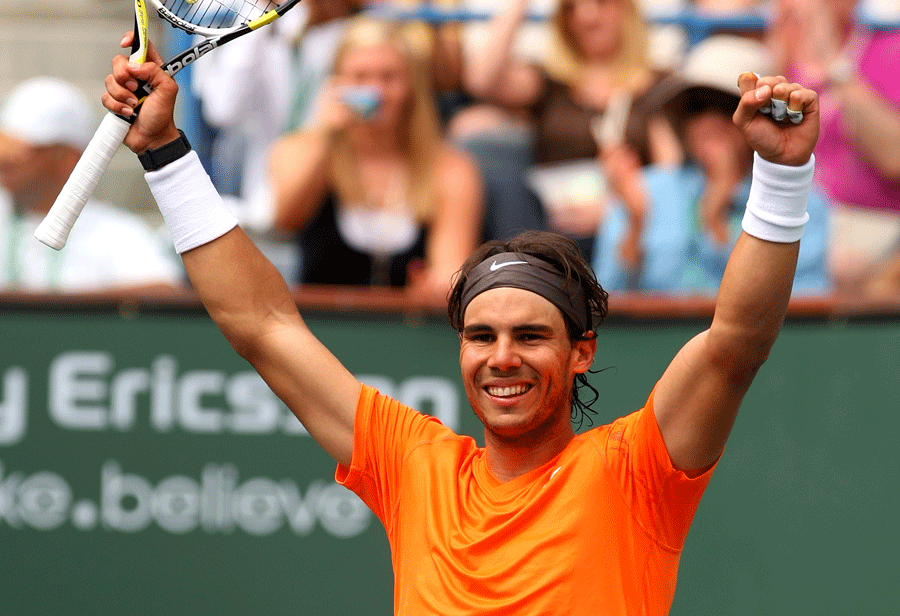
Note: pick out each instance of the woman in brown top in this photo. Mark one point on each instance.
(597, 58)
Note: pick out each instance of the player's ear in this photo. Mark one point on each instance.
(583, 350)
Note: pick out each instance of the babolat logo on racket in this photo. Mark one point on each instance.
(176, 64)
(176, 20)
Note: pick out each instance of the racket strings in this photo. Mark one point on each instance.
(218, 13)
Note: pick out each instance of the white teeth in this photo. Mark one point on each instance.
(513, 390)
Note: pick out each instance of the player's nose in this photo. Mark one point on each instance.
(504, 355)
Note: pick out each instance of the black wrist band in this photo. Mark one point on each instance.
(152, 160)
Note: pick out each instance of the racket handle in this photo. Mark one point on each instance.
(54, 229)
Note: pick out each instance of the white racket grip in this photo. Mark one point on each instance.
(54, 229)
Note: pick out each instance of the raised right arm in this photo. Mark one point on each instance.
(493, 74)
(250, 302)
(241, 290)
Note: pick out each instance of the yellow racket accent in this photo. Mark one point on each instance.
(141, 27)
(262, 20)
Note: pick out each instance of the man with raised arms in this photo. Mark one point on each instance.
(541, 520)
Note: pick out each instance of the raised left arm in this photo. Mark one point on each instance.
(697, 399)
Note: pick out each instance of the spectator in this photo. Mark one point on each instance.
(694, 209)
(531, 41)
(244, 96)
(259, 88)
(45, 124)
(262, 86)
(501, 143)
(858, 153)
(439, 45)
(372, 191)
(254, 89)
(315, 48)
(598, 55)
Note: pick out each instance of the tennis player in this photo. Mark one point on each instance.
(540, 520)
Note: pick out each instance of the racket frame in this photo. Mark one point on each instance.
(57, 224)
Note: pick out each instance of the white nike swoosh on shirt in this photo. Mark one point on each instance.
(495, 266)
(556, 470)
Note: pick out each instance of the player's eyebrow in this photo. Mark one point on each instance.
(471, 330)
(479, 328)
(534, 328)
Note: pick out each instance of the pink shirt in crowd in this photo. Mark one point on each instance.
(841, 169)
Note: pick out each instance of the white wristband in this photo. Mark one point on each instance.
(192, 208)
(776, 207)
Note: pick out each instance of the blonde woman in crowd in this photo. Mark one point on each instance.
(374, 194)
(597, 62)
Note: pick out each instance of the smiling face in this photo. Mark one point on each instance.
(518, 365)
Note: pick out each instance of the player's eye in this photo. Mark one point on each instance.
(530, 337)
(479, 337)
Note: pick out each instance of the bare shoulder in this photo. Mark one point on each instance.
(296, 141)
(454, 165)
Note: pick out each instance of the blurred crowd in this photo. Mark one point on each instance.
(365, 146)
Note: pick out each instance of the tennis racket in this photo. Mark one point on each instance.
(219, 21)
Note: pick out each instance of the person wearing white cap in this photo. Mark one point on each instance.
(45, 124)
(691, 212)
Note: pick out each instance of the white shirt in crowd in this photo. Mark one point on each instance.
(107, 248)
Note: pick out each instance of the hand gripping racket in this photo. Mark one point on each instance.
(219, 21)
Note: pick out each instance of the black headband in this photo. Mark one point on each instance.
(520, 271)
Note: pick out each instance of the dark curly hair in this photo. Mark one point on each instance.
(564, 255)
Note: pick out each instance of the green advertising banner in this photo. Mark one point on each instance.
(146, 469)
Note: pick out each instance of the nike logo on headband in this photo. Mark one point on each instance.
(495, 266)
